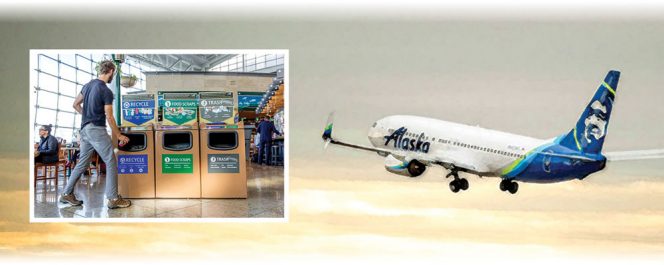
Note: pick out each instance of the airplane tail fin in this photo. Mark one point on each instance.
(327, 132)
(588, 134)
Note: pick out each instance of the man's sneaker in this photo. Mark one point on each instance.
(118, 202)
(71, 199)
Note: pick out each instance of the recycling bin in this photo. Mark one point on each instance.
(136, 175)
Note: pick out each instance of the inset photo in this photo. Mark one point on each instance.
(158, 135)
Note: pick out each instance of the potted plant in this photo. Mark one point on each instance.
(128, 80)
(125, 80)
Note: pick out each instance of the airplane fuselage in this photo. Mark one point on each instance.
(487, 152)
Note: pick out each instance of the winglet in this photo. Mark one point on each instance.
(327, 132)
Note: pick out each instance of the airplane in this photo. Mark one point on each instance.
(412, 143)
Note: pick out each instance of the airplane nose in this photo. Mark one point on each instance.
(375, 133)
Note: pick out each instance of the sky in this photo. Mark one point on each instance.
(525, 76)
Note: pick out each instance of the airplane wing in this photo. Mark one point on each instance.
(327, 137)
(426, 159)
(635, 155)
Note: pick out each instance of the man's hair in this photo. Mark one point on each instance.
(47, 128)
(105, 67)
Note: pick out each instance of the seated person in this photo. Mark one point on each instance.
(47, 146)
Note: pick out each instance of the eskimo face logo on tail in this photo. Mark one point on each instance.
(595, 122)
(405, 143)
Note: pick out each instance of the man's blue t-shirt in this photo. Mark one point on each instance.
(95, 95)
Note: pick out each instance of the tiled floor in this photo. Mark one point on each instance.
(265, 199)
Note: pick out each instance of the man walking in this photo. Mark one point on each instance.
(97, 109)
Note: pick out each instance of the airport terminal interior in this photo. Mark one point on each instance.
(193, 122)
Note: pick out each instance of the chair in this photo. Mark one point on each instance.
(47, 169)
(62, 159)
(277, 153)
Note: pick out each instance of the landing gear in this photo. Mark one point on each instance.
(457, 184)
(509, 185)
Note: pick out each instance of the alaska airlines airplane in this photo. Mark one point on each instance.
(411, 144)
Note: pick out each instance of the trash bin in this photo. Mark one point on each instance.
(223, 163)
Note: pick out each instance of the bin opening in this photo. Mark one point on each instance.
(177, 141)
(137, 142)
(222, 140)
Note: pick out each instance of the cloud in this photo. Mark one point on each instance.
(373, 216)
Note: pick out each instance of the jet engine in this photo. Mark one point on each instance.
(406, 167)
